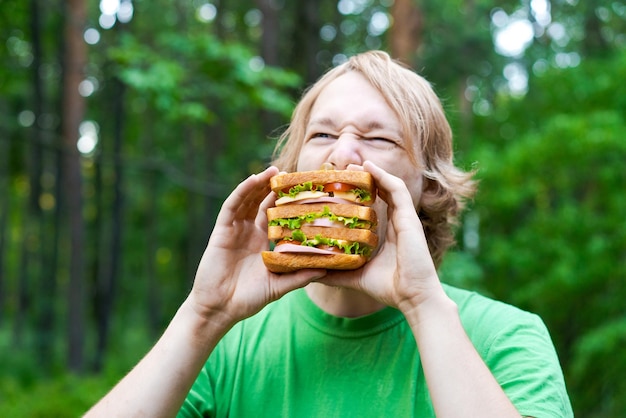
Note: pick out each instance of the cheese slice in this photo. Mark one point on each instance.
(347, 196)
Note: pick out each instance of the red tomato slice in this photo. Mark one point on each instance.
(338, 187)
(287, 241)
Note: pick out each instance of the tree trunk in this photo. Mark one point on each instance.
(46, 285)
(30, 265)
(270, 52)
(5, 146)
(306, 40)
(73, 111)
(153, 293)
(406, 31)
(594, 43)
(466, 114)
(23, 295)
(98, 267)
(192, 203)
(271, 31)
(107, 273)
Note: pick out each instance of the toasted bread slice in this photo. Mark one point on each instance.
(361, 179)
(358, 179)
(288, 262)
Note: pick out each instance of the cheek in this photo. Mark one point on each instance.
(416, 195)
(415, 184)
(310, 159)
(302, 158)
(305, 163)
(299, 163)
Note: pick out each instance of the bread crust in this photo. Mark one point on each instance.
(288, 262)
(365, 213)
(361, 179)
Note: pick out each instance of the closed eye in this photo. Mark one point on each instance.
(322, 135)
(382, 140)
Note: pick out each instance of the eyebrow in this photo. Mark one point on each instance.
(325, 121)
(370, 126)
(373, 125)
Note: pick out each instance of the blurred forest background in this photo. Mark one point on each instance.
(125, 123)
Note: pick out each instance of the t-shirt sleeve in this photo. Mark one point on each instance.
(200, 401)
(523, 359)
(517, 348)
(212, 390)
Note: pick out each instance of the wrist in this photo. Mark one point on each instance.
(429, 307)
(206, 326)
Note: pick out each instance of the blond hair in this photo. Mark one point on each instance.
(423, 120)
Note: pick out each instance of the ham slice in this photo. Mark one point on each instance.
(326, 199)
(302, 249)
(311, 197)
(299, 197)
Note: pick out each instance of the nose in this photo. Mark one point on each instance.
(346, 150)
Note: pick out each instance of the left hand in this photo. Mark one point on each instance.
(402, 274)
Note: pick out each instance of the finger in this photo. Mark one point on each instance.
(391, 189)
(261, 217)
(286, 282)
(251, 205)
(244, 200)
(355, 167)
(348, 280)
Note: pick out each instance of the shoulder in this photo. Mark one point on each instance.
(481, 312)
(517, 347)
(469, 300)
(503, 333)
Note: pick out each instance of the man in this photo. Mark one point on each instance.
(384, 340)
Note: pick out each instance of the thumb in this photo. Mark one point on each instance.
(286, 282)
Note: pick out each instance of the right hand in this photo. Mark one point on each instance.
(402, 274)
(231, 282)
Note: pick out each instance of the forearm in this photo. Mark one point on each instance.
(459, 382)
(159, 383)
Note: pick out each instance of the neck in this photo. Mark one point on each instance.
(342, 302)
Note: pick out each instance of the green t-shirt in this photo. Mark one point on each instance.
(294, 360)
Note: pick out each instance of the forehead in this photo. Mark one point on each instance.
(351, 99)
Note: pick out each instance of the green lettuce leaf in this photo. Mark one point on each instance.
(297, 222)
(304, 187)
(354, 248)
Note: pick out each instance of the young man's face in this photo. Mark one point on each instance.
(351, 123)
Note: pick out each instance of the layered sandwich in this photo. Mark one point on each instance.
(322, 219)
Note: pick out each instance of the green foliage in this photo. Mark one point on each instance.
(553, 236)
(460, 37)
(28, 390)
(599, 350)
(64, 396)
(187, 75)
(592, 86)
(460, 269)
